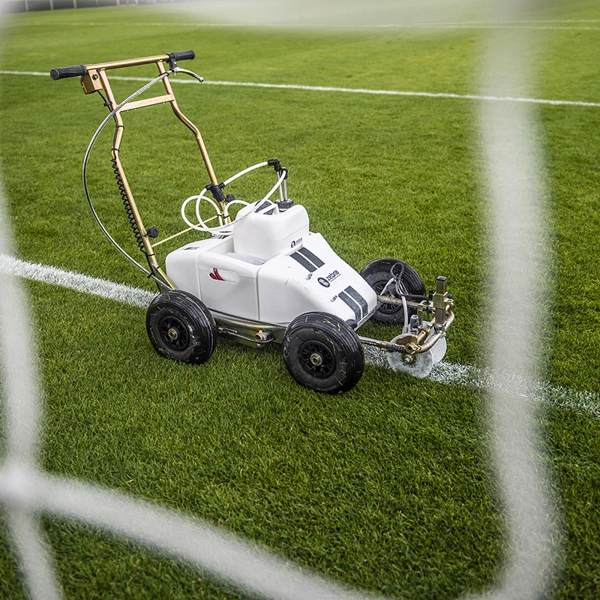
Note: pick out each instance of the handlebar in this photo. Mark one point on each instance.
(64, 72)
(81, 70)
(184, 55)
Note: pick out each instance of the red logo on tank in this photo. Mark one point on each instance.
(215, 275)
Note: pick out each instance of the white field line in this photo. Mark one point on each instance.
(76, 281)
(419, 26)
(446, 373)
(559, 25)
(317, 88)
(474, 377)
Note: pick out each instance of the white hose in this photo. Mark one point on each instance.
(201, 197)
(224, 228)
(201, 225)
(405, 308)
(406, 326)
(232, 203)
(385, 287)
(278, 184)
(234, 177)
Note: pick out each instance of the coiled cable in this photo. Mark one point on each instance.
(120, 183)
(127, 206)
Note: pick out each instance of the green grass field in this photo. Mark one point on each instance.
(388, 487)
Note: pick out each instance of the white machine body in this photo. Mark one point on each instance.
(271, 268)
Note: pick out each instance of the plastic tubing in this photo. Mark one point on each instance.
(233, 202)
(225, 228)
(278, 184)
(234, 177)
(405, 308)
(404, 305)
(201, 225)
(201, 197)
(382, 292)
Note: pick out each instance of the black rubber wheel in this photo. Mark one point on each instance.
(323, 353)
(378, 273)
(180, 327)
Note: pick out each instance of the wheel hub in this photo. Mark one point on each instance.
(174, 332)
(316, 359)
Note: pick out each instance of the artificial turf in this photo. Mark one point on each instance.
(387, 487)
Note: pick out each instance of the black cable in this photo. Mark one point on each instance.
(127, 205)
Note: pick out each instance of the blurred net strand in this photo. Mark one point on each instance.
(32, 548)
(513, 173)
(513, 176)
(224, 555)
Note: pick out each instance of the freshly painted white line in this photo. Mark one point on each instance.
(317, 88)
(76, 281)
(559, 396)
(475, 377)
(444, 372)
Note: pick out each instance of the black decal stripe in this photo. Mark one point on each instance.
(306, 264)
(359, 299)
(312, 257)
(352, 304)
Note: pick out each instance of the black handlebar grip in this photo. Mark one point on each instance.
(63, 72)
(184, 55)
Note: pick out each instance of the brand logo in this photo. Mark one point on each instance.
(296, 242)
(215, 275)
(326, 281)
